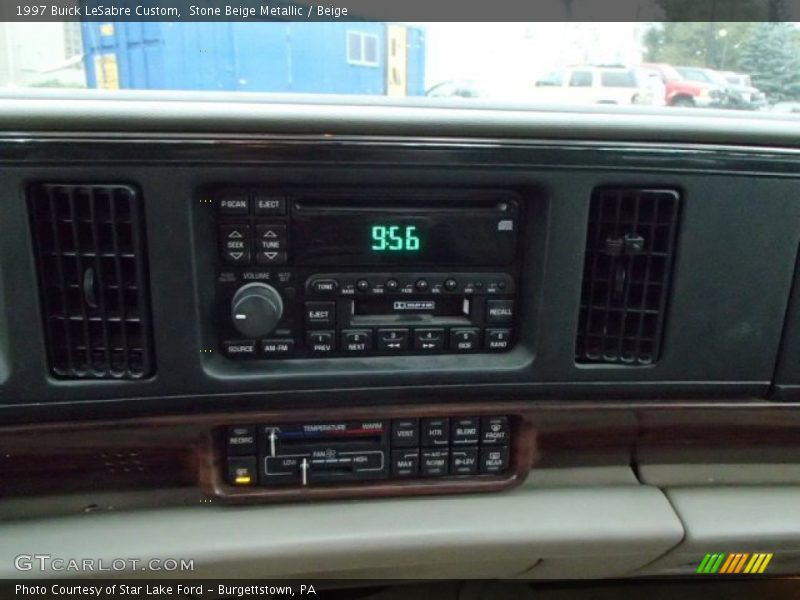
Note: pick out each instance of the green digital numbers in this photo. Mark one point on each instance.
(395, 238)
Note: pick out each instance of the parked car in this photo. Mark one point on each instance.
(682, 92)
(738, 92)
(589, 84)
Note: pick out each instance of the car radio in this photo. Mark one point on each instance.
(303, 274)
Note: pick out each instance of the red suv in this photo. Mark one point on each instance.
(680, 92)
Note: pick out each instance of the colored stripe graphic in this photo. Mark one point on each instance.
(734, 563)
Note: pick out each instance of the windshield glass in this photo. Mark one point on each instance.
(662, 65)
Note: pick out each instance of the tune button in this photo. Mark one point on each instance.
(362, 285)
(421, 285)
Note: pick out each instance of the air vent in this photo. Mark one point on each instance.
(91, 261)
(626, 275)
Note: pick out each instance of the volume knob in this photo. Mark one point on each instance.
(256, 309)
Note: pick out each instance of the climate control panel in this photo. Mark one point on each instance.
(308, 454)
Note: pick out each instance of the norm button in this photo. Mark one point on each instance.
(269, 204)
(320, 314)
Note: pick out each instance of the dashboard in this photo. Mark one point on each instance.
(376, 310)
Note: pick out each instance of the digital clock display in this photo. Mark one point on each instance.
(433, 228)
(391, 237)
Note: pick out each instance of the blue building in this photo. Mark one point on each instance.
(321, 57)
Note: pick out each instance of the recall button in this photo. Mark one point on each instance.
(499, 311)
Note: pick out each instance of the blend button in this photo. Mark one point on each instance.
(465, 430)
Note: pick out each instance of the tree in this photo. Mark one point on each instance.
(714, 45)
(772, 58)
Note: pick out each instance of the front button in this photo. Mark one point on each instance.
(464, 430)
(464, 461)
(499, 311)
(464, 339)
(429, 340)
(435, 432)
(392, 340)
(434, 463)
(405, 463)
(242, 471)
(495, 430)
(498, 340)
(405, 433)
(320, 314)
(277, 348)
(494, 460)
(235, 244)
(320, 342)
(356, 341)
(241, 440)
(239, 348)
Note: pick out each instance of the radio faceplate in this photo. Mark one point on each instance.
(426, 273)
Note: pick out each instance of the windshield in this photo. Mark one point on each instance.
(658, 65)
